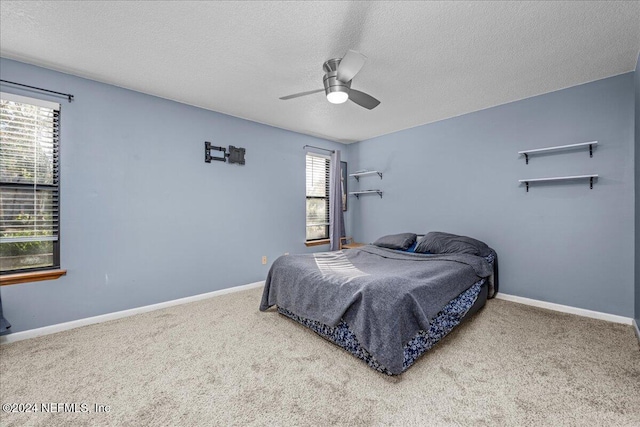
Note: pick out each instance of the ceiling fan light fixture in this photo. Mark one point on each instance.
(339, 73)
(337, 91)
(337, 97)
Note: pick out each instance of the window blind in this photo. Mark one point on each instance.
(317, 196)
(29, 174)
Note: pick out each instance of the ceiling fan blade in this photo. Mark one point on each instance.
(350, 65)
(363, 99)
(297, 95)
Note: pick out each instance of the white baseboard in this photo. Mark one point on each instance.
(566, 309)
(52, 329)
(46, 330)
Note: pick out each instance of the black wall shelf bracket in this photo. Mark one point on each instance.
(527, 153)
(358, 174)
(359, 193)
(560, 178)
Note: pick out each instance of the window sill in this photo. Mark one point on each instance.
(33, 276)
(317, 242)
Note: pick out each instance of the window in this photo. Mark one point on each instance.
(29, 204)
(317, 197)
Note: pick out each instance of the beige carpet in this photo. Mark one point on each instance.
(222, 362)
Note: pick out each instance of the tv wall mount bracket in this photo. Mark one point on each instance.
(235, 154)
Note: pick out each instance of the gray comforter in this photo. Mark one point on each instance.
(385, 296)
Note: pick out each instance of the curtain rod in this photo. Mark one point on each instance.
(67, 95)
(318, 148)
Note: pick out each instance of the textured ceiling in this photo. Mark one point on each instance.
(427, 60)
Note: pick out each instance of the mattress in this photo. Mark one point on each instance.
(454, 313)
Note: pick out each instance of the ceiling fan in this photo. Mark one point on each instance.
(337, 81)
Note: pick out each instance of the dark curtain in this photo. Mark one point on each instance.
(336, 216)
(4, 325)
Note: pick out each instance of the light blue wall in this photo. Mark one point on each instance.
(637, 190)
(144, 219)
(561, 243)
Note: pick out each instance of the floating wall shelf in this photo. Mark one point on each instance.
(358, 193)
(358, 174)
(527, 153)
(560, 178)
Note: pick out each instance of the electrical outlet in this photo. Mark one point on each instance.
(264, 260)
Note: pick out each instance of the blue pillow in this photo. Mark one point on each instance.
(412, 248)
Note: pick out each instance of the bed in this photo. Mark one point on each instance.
(389, 302)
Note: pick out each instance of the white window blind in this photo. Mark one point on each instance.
(29, 172)
(317, 197)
